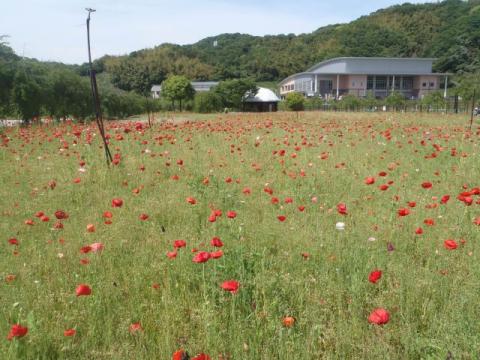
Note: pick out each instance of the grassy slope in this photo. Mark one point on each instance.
(329, 295)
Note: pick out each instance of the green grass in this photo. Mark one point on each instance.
(430, 292)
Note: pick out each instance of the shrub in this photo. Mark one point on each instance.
(295, 101)
(207, 102)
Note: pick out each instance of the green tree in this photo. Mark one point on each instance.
(67, 94)
(467, 85)
(177, 88)
(7, 73)
(369, 101)
(232, 92)
(435, 100)
(28, 92)
(295, 101)
(350, 102)
(207, 102)
(395, 100)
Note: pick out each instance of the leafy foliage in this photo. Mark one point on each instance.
(207, 102)
(232, 92)
(177, 88)
(295, 101)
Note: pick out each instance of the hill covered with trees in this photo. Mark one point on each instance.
(449, 31)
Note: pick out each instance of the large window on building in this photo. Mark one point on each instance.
(407, 83)
(369, 82)
(381, 83)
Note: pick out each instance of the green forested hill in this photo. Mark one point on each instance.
(449, 31)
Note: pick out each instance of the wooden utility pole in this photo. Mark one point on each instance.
(95, 95)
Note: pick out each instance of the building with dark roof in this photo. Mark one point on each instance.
(198, 86)
(413, 77)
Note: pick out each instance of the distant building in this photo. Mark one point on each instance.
(198, 86)
(359, 76)
(265, 100)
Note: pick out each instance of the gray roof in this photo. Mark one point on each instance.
(262, 95)
(371, 66)
(196, 85)
(205, 83)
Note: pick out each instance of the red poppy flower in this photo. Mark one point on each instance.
(191, 200)
(445, 199)
(61, 215)
(180, 355)
(17, 331)
(135, 327)
(29, 222)
(107, 215)
(412, 204)
(288, 321)
(247, 191)
(429, 222)
(84, 261)
(86, 249)
(301, 208)
(383, 187)
(382, 174)
(216, 254)
(201, 356)
(342, 209)
(419, 231)
(201, 257)
(450, 244)
(83, 290)
(231, 214)
(143, 217)
(172, 254)
(90, 228)
(379, 317)
(288, 200)
(427, 185)
(216, 242)
(13, 241)
(369, 180)
(39, 214)
(177, 244)
(281, 218)
(274, 200)
(375, 276)
(403, 212)
(231, 286)
(268, 190)
(117, 202)
(97, 247)
(69, 332)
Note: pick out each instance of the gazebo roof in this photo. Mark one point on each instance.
(263, 95)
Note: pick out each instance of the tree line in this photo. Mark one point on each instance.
(30, 89)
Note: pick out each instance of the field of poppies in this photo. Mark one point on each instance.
(279, 236)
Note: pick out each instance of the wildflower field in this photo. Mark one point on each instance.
(277, 236)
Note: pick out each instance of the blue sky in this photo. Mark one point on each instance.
(55, 29)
